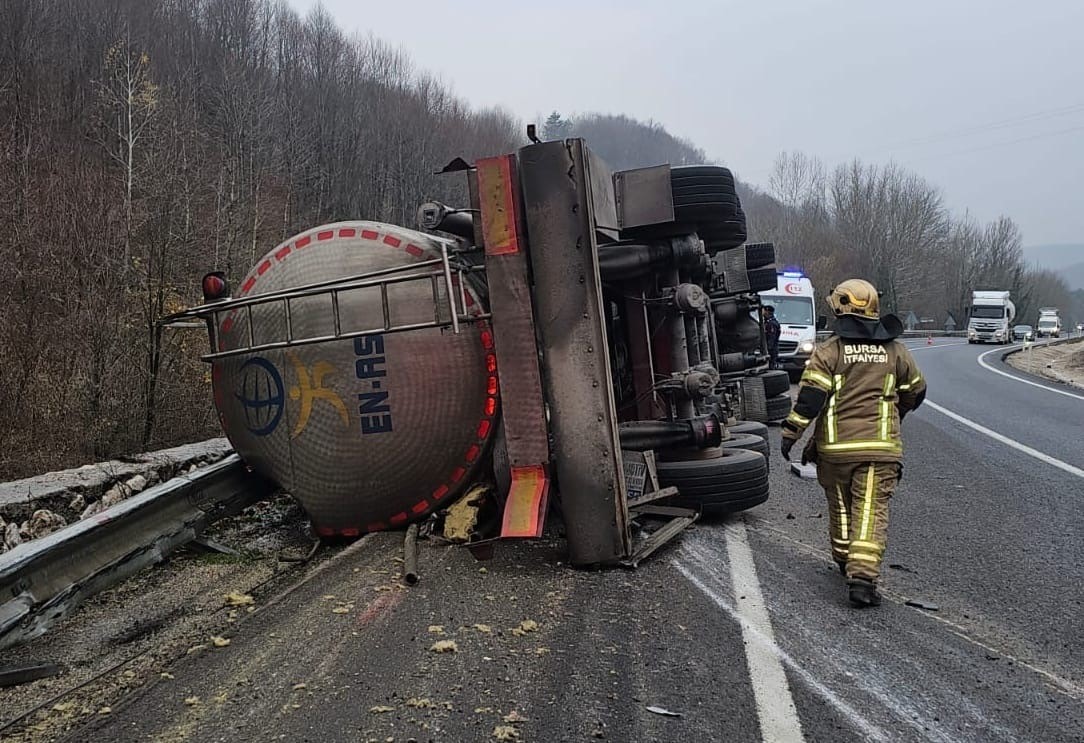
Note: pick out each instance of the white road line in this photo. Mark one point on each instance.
(775, 705)
(935, 345)
(1065, 466)
(988, 367)
(756, 638)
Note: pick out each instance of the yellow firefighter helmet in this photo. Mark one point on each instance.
(855, 297)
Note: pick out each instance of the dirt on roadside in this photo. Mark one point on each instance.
(1063, 362)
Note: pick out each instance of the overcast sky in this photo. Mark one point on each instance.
(983, 98)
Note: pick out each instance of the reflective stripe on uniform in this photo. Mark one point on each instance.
(799, 420)
(863, 557)
(910, 385)
(820, 379)
(870, 546)
(841, 502)
(867, 505)
(893, 447)
(886, 409)
(830, 419)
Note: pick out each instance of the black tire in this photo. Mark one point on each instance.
(708, 213)
(748, 442)
(720, 190)
(704, 195)
(684, 172)
(778, 407)
(733, 482)
(757, 429)
(762, 279)
(754, 403)
(723, 236)
(758, 255)
(776, 382)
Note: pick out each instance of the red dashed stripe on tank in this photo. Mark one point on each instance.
(490, 407)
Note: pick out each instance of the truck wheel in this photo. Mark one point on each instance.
(754, 403)
(757, 429)
(733, 482)
(778, 407)
(762, 279)
(758, 255)
(776, 382)
(748, 442)
(701, 173)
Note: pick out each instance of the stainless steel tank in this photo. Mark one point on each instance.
(370, 432)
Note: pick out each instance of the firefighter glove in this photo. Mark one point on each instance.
(785, 446)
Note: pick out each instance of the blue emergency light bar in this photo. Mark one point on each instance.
(794, 274)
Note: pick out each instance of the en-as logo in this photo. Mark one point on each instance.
(370, 367)
(792, 288)
(310, 388)
(261, 396)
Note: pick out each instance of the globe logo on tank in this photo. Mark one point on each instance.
(261, 395)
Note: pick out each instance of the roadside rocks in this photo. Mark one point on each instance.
(12, 537)
(38, 506)
(42, 523)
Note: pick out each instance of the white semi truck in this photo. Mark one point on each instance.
(990, 318)
(1049, 323)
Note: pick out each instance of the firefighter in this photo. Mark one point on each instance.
(772, 331)
(858, 386)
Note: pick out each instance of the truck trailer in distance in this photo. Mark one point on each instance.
(1049, 323)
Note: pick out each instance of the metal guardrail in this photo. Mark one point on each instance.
(934, 333)
(43, 581)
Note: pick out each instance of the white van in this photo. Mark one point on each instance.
(795, 310)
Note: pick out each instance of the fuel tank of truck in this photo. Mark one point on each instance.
(368, 432)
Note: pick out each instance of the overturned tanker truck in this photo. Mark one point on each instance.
(573, 334)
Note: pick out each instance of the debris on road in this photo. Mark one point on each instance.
(505, 732)
(410, 556)
(804, 471)
(445, 646)
(527, 625)
(381, 709)
(233, 598)
(663, 712)
(220, 642)
(922, 605)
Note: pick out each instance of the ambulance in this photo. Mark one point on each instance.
(793, 301)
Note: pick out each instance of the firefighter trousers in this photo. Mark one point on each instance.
(858, 495)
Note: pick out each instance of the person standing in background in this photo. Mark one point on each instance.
(772, 331)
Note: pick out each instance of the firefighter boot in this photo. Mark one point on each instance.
(863, 593)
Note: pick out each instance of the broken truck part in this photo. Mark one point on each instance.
(566, 320)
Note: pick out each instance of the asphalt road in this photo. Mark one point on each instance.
(742, 628)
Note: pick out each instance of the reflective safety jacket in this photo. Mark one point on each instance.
(857, 391)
